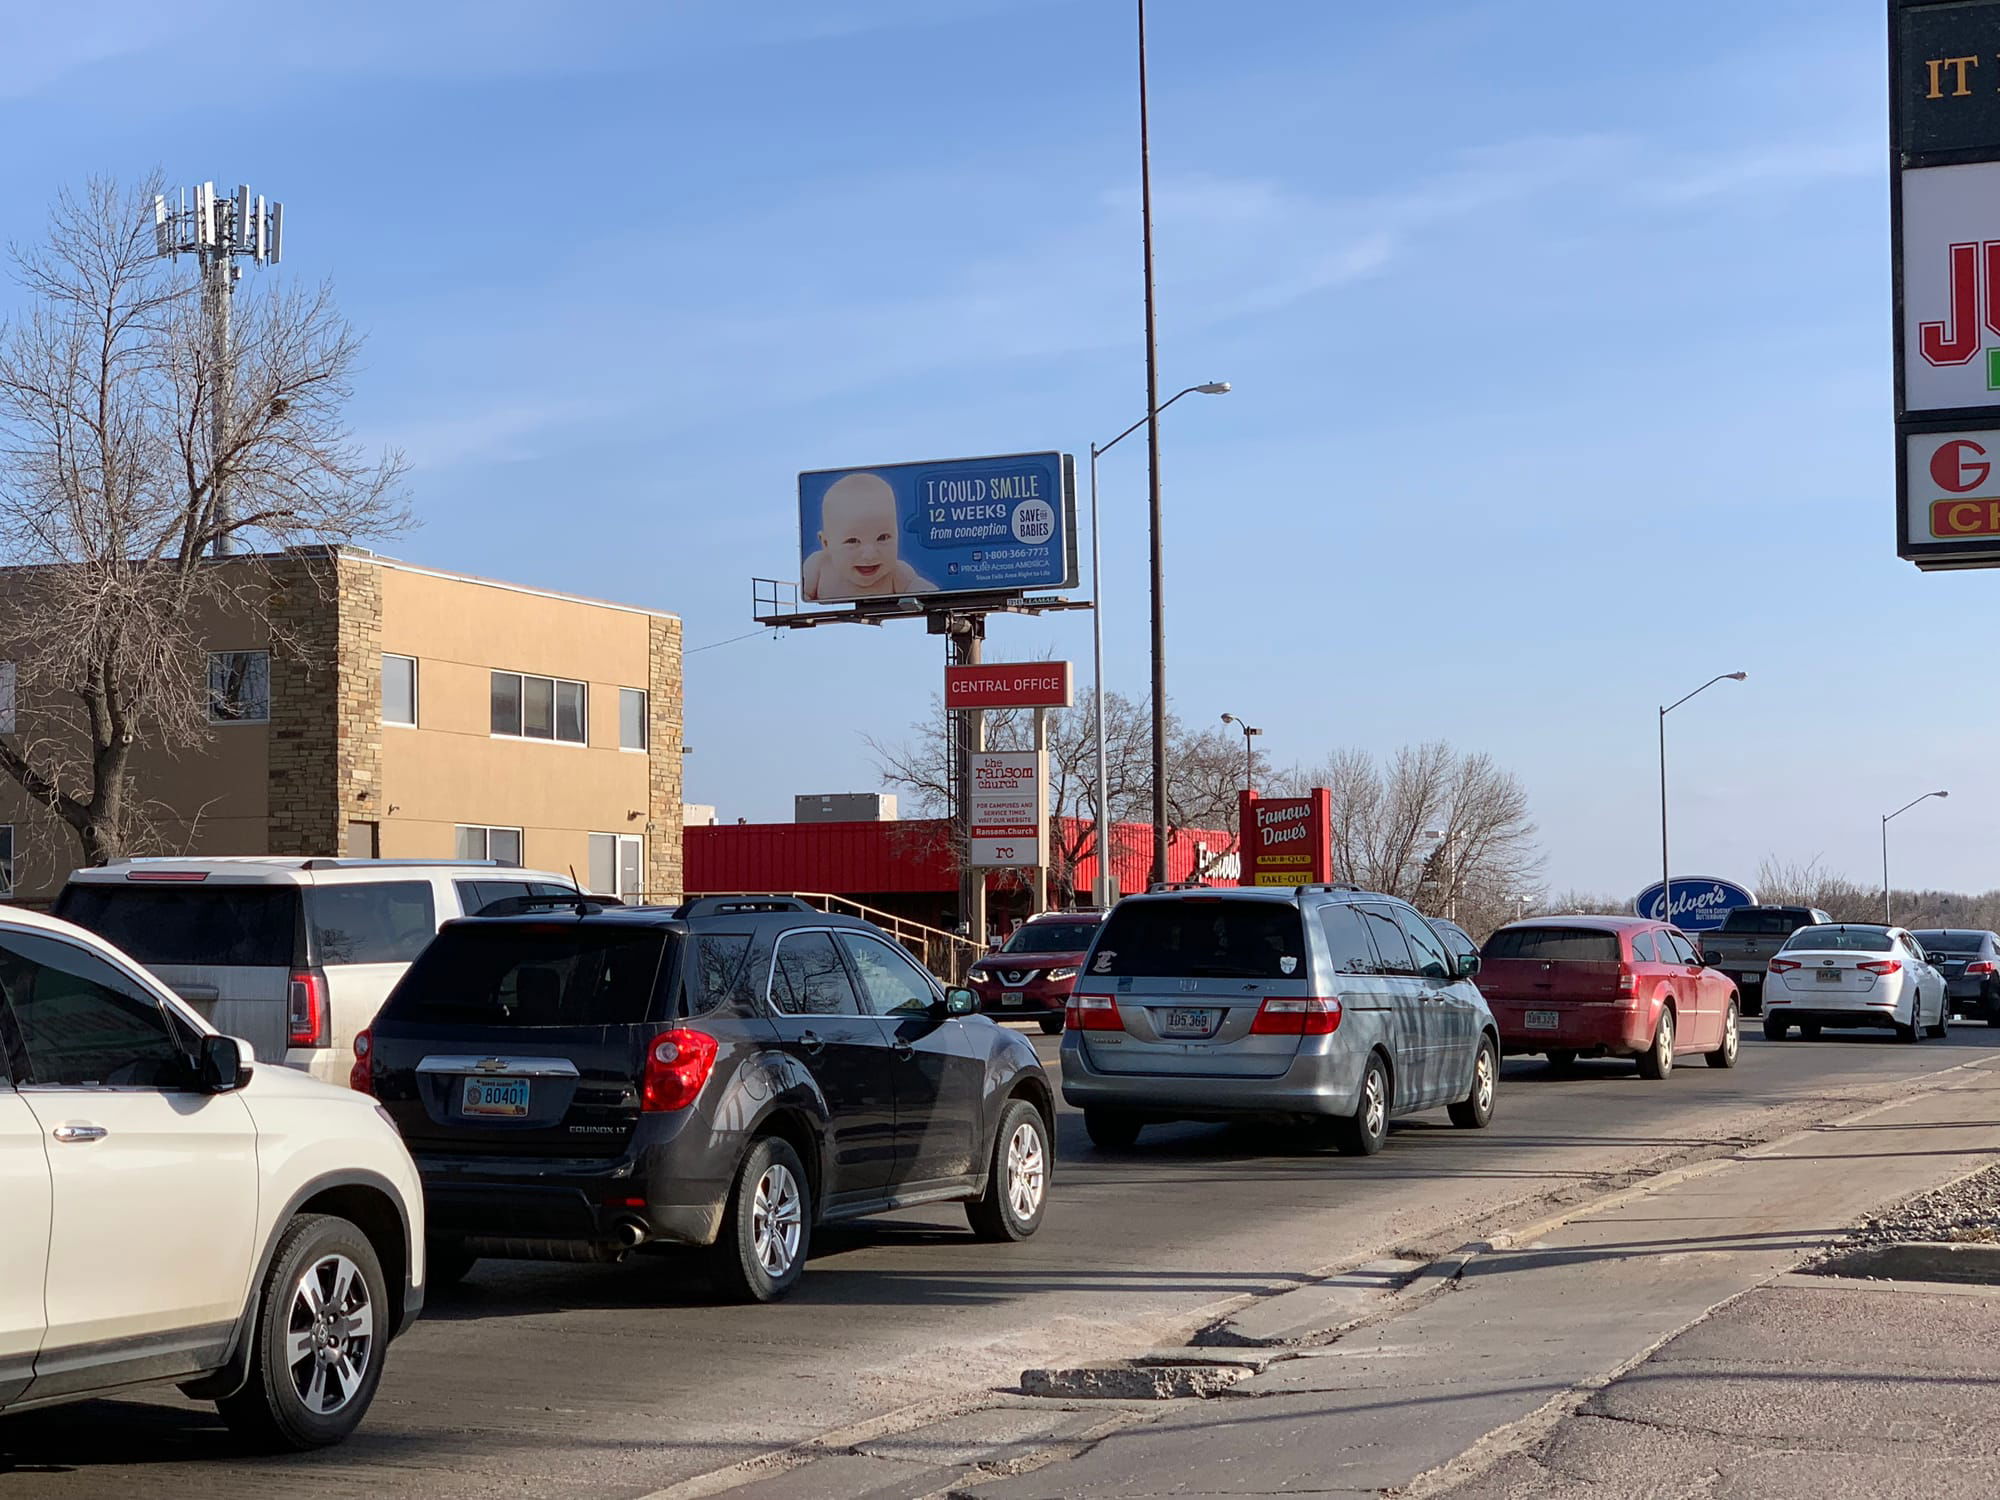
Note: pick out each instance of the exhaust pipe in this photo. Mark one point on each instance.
(632, 1233)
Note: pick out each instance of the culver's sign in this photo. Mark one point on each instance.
(1701, 902)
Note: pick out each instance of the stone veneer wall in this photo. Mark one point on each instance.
(326, 703)
(663, 762)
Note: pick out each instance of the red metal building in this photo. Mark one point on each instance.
(905, 867)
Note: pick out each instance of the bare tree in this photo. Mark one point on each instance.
(1445, 829)
(1205, 771)
(114, 467)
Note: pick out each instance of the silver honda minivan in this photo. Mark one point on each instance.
(1329, 1004)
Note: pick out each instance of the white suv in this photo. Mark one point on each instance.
(293, 955)
(173, 1213)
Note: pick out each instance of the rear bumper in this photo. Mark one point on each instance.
(1578, 1028)
(665, 1188)
(1321, 1083)
(1779, 1006)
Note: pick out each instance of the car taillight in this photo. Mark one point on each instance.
(1979, 966)
(678, 1063)
(305, 1010)
(1783, 965)
(1319, 1016)
(1092, 1013)
(361, 1077)
(1628, 982)
(1880, 966)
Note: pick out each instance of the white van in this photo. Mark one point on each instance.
(293, 955)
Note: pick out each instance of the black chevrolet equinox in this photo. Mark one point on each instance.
(576, 1080)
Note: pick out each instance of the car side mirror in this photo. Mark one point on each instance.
(223, 1064)
(1468, 966)
(960, 1002)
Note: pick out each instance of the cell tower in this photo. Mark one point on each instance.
(216, 231)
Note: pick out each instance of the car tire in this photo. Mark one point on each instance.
(1017, 1177)
(1993, 1020)
(446, 1263)
(1908, 1034)
(1732, 1040)
(1363, 1132)
(766, 1227)
(1560, 1060)
(1475, 1110)
(1052, 1025)
(324, 1286)
(1657, 1061)
(1809, 1031)
(1112, 1129)
(1776, 1028)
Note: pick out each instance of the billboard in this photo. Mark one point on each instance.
(956, 526)
(1944, 210)
(1007, 810)
(1701, 902)
(1025, 684)
(1287, 840)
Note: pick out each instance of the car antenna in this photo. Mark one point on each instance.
(578, 884)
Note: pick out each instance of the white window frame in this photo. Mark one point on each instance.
(416, 692)
(10, 676)
(486, 832)
(6, 861)
(555, 714)
(645, 720)
(618, 843)
(209, 690)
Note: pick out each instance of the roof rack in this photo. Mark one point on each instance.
(521, 906)
(736, 906)
(1179, 885)
(305, 861)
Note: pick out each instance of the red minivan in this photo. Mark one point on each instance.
(1570, 987)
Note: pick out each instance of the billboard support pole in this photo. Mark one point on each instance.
(1039, 891)
(968, 738)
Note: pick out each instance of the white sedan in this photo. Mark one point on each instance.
(1854, 974)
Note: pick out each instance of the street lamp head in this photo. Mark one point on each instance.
(1229, 718)
(1940, 794)
(1214, 388)
(1738, 676)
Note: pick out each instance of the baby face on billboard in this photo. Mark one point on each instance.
(859, 536)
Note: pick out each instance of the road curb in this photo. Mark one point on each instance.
(1915, 1260)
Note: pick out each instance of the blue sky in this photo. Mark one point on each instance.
(1559, 333)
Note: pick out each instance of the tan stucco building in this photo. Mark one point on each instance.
(376, 707)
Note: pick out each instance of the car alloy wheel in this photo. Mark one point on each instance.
(1732, 1040)
(1374, 1104)
(1475, 1110)
(1657, 1061)
(330, 1334)
(1027, 1171)
(776, 1220)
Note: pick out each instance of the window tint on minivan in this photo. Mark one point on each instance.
(1215, 938)
(532, 974)
(1553, 945)
(232, 926)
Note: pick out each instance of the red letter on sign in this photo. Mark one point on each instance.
(1956, 342)
(1952, 470)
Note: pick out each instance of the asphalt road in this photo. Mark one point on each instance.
(543, 1380)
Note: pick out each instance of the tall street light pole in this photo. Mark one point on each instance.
(1888, 914)
(1153, 478)
(1666, 869)
(1102, 885)
(1249, 751)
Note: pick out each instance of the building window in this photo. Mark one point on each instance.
(617, 866)
(502, 845)
(399, 690)
(239, 687)
(539, 708)
(8, 673)
(6, 861)
(631, 719)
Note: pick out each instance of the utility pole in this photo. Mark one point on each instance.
(215, 231)
(1153, 479)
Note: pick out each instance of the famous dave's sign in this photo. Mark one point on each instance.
(1287, 840)
(1944, 122)
(1700, 903)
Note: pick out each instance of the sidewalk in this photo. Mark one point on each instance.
(1530, 1326)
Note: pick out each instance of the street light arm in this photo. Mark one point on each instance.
(1719, 677)
(1100, 451)
(1910, 804)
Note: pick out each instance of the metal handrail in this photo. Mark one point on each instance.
(946, 954)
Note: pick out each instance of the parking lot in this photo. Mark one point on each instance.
(538, 1379)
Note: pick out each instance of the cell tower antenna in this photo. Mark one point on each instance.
(216, 231)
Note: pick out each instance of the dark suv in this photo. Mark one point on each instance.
(575, 1081)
